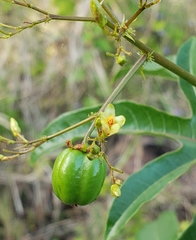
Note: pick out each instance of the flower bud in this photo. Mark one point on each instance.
(14, 127)
(118, 181)
(115, 190)
(121, 60)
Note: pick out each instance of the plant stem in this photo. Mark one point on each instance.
(124, 81)
(117, 90)
(161, 60)
(71, 127)
(44, 20)
(7, 140)
(164, 62)
(135, 15)
(71, 18)
(46, 138)
(110, 13)
(51, 16)
(28, 146)
(157, 57)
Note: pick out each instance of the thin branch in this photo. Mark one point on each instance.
(29, 5)
(117, 90)
(142, 7)
(48, 18)
(161, 60)
(144, 48)
(71, 127)
(29, 146)
(51, 16)
(110, 13)
(164, 62)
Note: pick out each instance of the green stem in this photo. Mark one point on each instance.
(51, 16)
(164, 62)
(111, 167)
(157, 57)
(117, 90)
(44, 20)
(124, 81)
(7, 140)
(46, 138)
(110, 13)
(29, 5)
(72, 127)
(71, 18)
(48, 17)
(36, 143)
(135, 15)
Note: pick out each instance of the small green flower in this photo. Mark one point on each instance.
(109, 122)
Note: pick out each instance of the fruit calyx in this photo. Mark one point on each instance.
(93, 150)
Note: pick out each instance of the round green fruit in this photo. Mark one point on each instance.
(121, 60)
(76, 180)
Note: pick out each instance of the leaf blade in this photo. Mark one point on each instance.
(140, 119)
(140, 188)
(160, 229)
(61, 122)
(185, 58)
(190, 232)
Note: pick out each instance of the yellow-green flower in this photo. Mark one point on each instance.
(115, 190)
(109, 122)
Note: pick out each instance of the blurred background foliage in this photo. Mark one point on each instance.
(61, 66)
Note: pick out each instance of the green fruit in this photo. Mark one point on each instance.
(121, 60)
(76, 180)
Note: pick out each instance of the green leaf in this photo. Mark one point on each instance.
(149, 181)
(140, 119)
(186, 59)
(151, 69)
(192, 58)
(143, 185)
(190, 232)
(63, 121)
(160, 229)
(154, 69)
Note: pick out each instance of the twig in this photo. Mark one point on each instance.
(48, 18)
(29, 146)
(161, 60)
(117, 90)
(164, 62)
